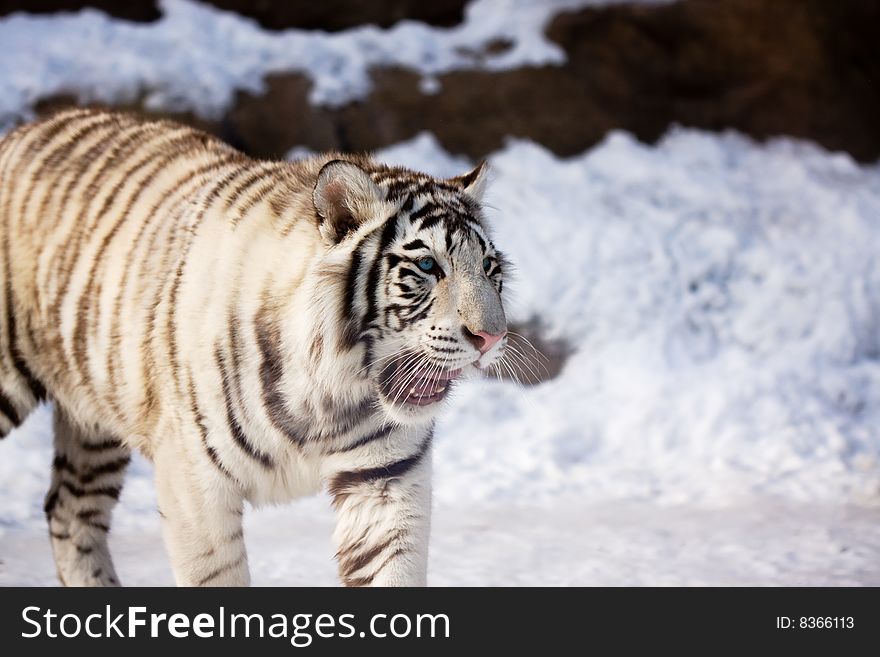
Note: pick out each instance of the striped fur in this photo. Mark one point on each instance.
(258, 329)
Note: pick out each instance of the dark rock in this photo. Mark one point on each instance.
(328, 15)
(334, 15)
(143, 11)
(806, 68)
(271, 124)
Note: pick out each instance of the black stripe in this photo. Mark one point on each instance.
(203, 433)
(37, 389)
(110, 467)
(389, 230)
(398, 188)
(367, 341)
(351, 563)
(369, 438)
(123, 151)
(425, 210)
(415, 244)
(412, 273)
(155, 228)
(242, 187)
(171, 323)
(102, 446)
(345, 418)
(480, 240)
(407, 204)
(467, 221)
(8, 410)
(467, 179)
(413, 308)
(351, 280)
(51, 503)
(421, 315)
(234, 427)
(60, 462)
(428, 222)
(85, 300)
(393, 260)
(342, 483)
(60, 155)
(385, 174)
(255, 197)
(97, 525)
(270, 377)
(222, 569)
(76, 179)
(104, 491)
(81, 231)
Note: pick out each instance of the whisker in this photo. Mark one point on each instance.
(521, 391)
(403, 368)
(528, 342)
(513, 358)
(518, 356)
(410, 377)
(390, 356)
(514, 376)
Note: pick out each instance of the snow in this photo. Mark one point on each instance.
(723, 298)
(716, 424)
(196, 57)
(718, 421)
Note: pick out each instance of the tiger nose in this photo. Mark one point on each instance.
(482, 340)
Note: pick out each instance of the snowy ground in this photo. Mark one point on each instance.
(717, 424)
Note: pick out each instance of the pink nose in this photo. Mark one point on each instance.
(485, 341)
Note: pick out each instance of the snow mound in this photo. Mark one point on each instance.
(723, 298)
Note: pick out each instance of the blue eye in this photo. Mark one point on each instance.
(426, 264)
(487, 265)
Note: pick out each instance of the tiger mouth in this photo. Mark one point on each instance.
(420, 388)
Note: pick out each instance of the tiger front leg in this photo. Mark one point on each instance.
(87, 477)
(202, 515)
(383, 517)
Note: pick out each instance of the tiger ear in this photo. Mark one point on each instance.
(344, 195)
(474, 182)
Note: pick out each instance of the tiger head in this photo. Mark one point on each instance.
(423, 280)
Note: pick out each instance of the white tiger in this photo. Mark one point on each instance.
(257, 329)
